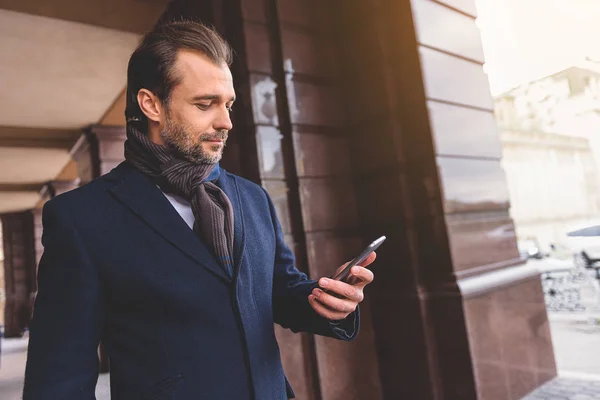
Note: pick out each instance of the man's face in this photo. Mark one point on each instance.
(196, 121)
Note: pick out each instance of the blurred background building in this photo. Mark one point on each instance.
(550, 134)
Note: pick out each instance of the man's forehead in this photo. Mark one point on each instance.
(195, 70)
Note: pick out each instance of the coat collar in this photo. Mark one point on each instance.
(136, 191)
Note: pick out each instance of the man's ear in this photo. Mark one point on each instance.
(149, 104)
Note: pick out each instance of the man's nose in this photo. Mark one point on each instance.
(223, 121)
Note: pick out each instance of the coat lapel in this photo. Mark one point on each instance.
(144, 199)
(228, 184)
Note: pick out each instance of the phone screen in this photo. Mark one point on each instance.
(345, 273)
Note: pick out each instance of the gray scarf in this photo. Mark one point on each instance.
(211, 207)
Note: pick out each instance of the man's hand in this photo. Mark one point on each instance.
(334, 308)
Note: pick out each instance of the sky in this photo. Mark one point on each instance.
(528, 39)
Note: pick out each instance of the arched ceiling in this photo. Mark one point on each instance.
(136, 16)
(61, 74)
(62, 67)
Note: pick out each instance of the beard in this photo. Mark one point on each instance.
(190, 146)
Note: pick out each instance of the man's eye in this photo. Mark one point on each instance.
(230, 108)
(203, 106)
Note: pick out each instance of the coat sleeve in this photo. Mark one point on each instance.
(291, 288)
(62, 360)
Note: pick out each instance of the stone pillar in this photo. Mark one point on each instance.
(98, 150)
(457, 314)
(323, 161)
(19, 271)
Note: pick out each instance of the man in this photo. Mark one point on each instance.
(179, 267)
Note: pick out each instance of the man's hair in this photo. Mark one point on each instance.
(151, 65)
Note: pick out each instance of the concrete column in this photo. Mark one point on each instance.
(19, 271)
(457, 315)
(98, 150)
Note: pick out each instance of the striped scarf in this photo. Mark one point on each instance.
(211, 207)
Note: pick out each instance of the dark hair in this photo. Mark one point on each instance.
(151, 65)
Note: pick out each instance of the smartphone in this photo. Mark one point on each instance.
(345, 273)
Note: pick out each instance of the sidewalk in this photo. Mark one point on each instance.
(567, 389)
(576, 342)
(12, 367)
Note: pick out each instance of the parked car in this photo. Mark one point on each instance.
(585, 245)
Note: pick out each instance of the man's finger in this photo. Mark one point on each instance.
(360, 276)
(370, 258)
(324, 311)
(335, 303)
(343, 289)
(340, 269)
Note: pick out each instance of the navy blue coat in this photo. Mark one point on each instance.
(120, 265)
